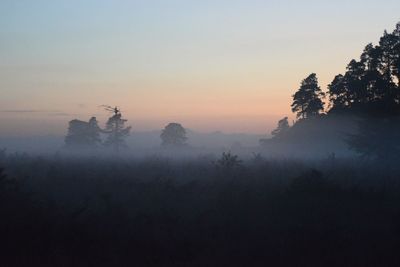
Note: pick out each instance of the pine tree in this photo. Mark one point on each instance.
(116, 130)
(307, 100)
(372, 84)
(370, 89)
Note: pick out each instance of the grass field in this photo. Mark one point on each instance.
(201, 211)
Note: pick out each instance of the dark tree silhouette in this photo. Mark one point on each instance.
(82, 134)
(370, 89)
(307, 100)
(283, 127)
(173, 135)
(370, 85)
(390, 45)
(116, 130)
(346, 90)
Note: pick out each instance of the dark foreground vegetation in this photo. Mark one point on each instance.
(202, 211)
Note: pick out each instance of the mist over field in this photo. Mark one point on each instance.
(137, 141)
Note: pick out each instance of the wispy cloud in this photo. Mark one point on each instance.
(28, 111)
(37, 111)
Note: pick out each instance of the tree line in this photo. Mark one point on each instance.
(370, 85)
(88, 135)
(369, 89)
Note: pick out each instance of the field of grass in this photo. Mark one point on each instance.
(201, 211)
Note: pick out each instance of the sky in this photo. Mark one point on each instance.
(228, 66)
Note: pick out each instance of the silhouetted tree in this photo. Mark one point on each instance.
(173, 135)
(307, 100)
(390, 45)
(283, 127)
(370, 85)
(370, 88)
(82, 134)
(337, 93)
(116, 130)
(347, 91)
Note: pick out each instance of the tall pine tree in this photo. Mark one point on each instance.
(307, 101)
(116, 130)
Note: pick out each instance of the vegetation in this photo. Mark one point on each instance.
(282, 129)
(368, 94)
(173, 135)
(371, 84)
(307, 101)
(203, 211)
(87, 135)
(83, 134)
(228, 161)
(116, 130)
(63, 211)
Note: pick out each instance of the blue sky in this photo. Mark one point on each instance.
(207, 64)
